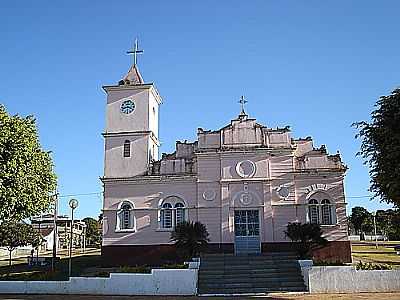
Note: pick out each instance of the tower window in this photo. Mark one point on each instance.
(127, 148)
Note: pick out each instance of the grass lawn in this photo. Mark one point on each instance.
(385, 254)
(21, 271)
(86, 265)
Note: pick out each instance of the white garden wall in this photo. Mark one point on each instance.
(347, 279)
(159, 282)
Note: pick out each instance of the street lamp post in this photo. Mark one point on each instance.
(55, 236)
(73, 203)
(376, 239)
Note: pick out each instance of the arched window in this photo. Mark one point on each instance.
(313, 211)
(179, 213)
(166, 216)
(125, 217)
(127, 148)
(172, 212)
(326, 212)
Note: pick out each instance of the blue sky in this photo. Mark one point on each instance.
(317, 66)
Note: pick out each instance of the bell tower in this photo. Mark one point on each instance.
(131, 133)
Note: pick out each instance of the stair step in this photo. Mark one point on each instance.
(249, 290)
(276, 272)
(266, 284)
(261, 277)
(244, 258)
(230, 274)
(260, 266)
(249, 271)
(206, 262)
(255, 279)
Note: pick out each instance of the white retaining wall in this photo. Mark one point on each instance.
(329, 279)
(159, 282)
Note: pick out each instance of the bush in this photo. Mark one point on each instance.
(102, 274)
(174, 266)
(370, 266)
(138, 269)
(328, 263)
(308, 237)
(147, 269)
(32, 276)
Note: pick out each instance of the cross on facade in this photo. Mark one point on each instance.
(242, 102)
(135, 51)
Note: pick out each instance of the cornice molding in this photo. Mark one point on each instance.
(141, 180)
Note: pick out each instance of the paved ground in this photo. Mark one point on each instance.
(362, 296)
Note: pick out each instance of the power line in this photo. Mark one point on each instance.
(85, 194)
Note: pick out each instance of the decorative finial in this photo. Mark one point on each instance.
(135, 51)
(242, 102)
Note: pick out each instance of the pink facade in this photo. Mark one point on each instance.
(245, 182)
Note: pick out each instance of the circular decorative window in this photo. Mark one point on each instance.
(246, 198)
(209, 195)
(246, 168)
(282, 191)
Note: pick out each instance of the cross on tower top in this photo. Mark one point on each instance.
(242, 102)
(135, 51)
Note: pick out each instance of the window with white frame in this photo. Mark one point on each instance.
(313, 211)
(321, 212)
(166, 216)
(172, 212)
(125, 217)
(326, 212)
(179, 213)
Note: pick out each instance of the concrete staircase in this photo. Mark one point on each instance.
(230, 274)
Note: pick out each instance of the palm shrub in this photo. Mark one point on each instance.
(307, 236)
(191, 238)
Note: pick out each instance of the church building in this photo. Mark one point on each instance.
(245, 182)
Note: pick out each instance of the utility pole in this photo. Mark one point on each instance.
(53, 261)
(376, 240)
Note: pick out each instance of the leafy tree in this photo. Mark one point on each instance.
(26, 171)
(360, 218)
(190, 238)
(383, 221)
(388, 223)
(308, 236)
(13, 235)
(93, 233)
(380, 148)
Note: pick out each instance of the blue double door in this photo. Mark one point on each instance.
(247, 232)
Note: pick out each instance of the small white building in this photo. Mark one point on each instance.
(45, 225)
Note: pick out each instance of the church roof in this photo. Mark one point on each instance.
(132, 77)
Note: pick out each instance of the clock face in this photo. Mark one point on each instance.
(127, 106)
